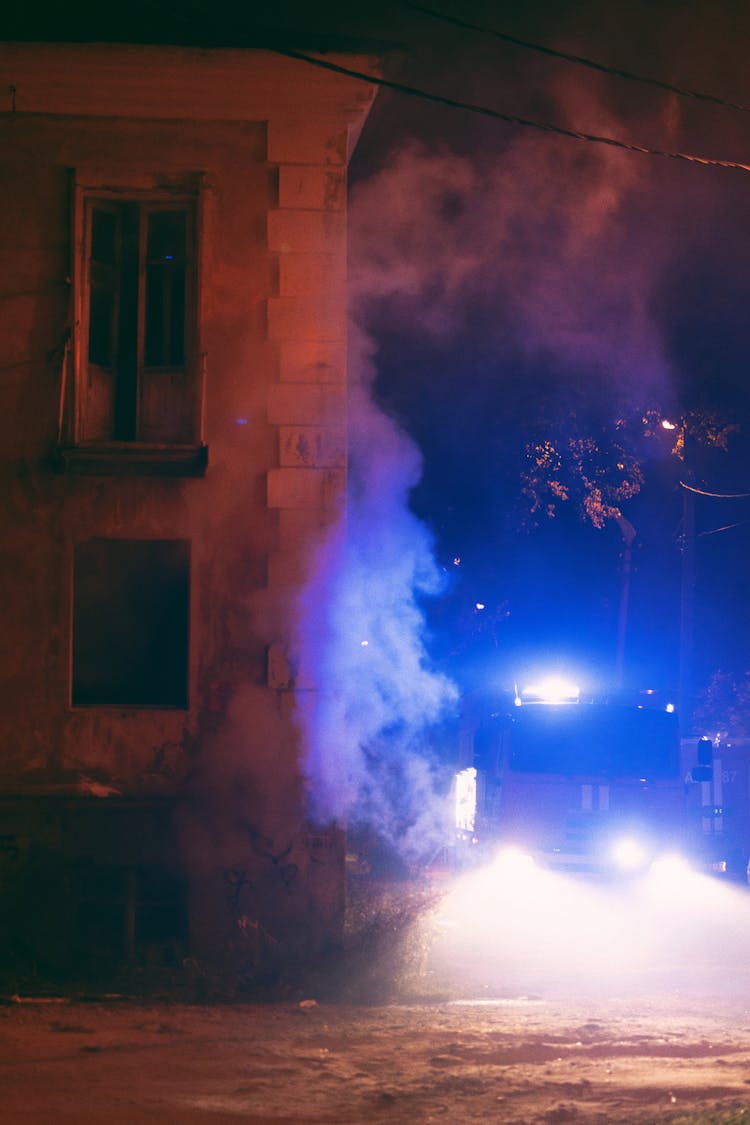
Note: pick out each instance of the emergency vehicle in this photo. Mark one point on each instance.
(595, 786)
(719, 802)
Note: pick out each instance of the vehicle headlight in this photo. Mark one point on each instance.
(671, 867)
(511, 860)
(630, 854)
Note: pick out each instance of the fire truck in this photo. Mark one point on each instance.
(598, 786)
(718, 802)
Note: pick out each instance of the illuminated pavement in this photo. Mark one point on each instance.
(605, 1061)
(512, 929)
(552, 1000)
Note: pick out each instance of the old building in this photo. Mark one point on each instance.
(172, 299)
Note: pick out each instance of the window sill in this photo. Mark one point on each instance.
(132, 458)
(126, 709)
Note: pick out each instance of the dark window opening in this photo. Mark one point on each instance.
(140, 285)
(131, 604)
(122, 914)
(165, 289)
(103, 286)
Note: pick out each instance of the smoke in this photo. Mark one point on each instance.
(531, 246)
(372, 697)
(548, 246)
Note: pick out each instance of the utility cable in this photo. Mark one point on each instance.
(580, 60)
(510, 118)
(715, 495)
(485, 111)
(727, 527)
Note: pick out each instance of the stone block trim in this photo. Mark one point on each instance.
(321, 361)
(305, 141)
(303, 318)
(306, 404)
(306, 232)
(306, 275)
(305, 488)
(312, 446)
(306, 188)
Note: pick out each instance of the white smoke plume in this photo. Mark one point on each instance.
(531, 244)
(367, 722)
(558, 239)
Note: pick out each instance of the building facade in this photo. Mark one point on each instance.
(173, 307)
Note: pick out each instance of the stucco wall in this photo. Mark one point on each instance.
(270, 140)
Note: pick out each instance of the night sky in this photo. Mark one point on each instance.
(508, 277)
(507, 285)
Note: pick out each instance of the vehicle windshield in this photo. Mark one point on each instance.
(594, 739)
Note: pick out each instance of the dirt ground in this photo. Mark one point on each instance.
(534, 1001)
(507, 1061)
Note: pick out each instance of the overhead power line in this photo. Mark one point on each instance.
(727, 527)
(510, 118)
(715, 495)
(580, 60)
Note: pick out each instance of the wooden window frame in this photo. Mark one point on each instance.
(80, 452)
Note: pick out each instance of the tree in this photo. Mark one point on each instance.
(724, 706)
(597, 464)
(594, 468)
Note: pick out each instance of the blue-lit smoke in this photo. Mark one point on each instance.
(367, 696)
(534, 240)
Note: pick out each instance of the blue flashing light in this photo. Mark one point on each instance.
(552, 689)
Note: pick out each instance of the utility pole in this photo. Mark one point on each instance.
(628, 533)
(687, 598)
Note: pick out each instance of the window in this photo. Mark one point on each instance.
(136, 397)
(131, 603)
(136, 341)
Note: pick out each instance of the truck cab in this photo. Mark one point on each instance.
(592, 786)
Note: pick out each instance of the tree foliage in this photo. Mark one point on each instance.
(704, 428)
(724, 706)
(595, 470)
(598, 465)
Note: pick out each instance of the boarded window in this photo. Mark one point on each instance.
(131, 603)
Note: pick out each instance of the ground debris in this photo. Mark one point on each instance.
(560, 1114)
(384, 1064)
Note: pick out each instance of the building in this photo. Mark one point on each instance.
(173, 241)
